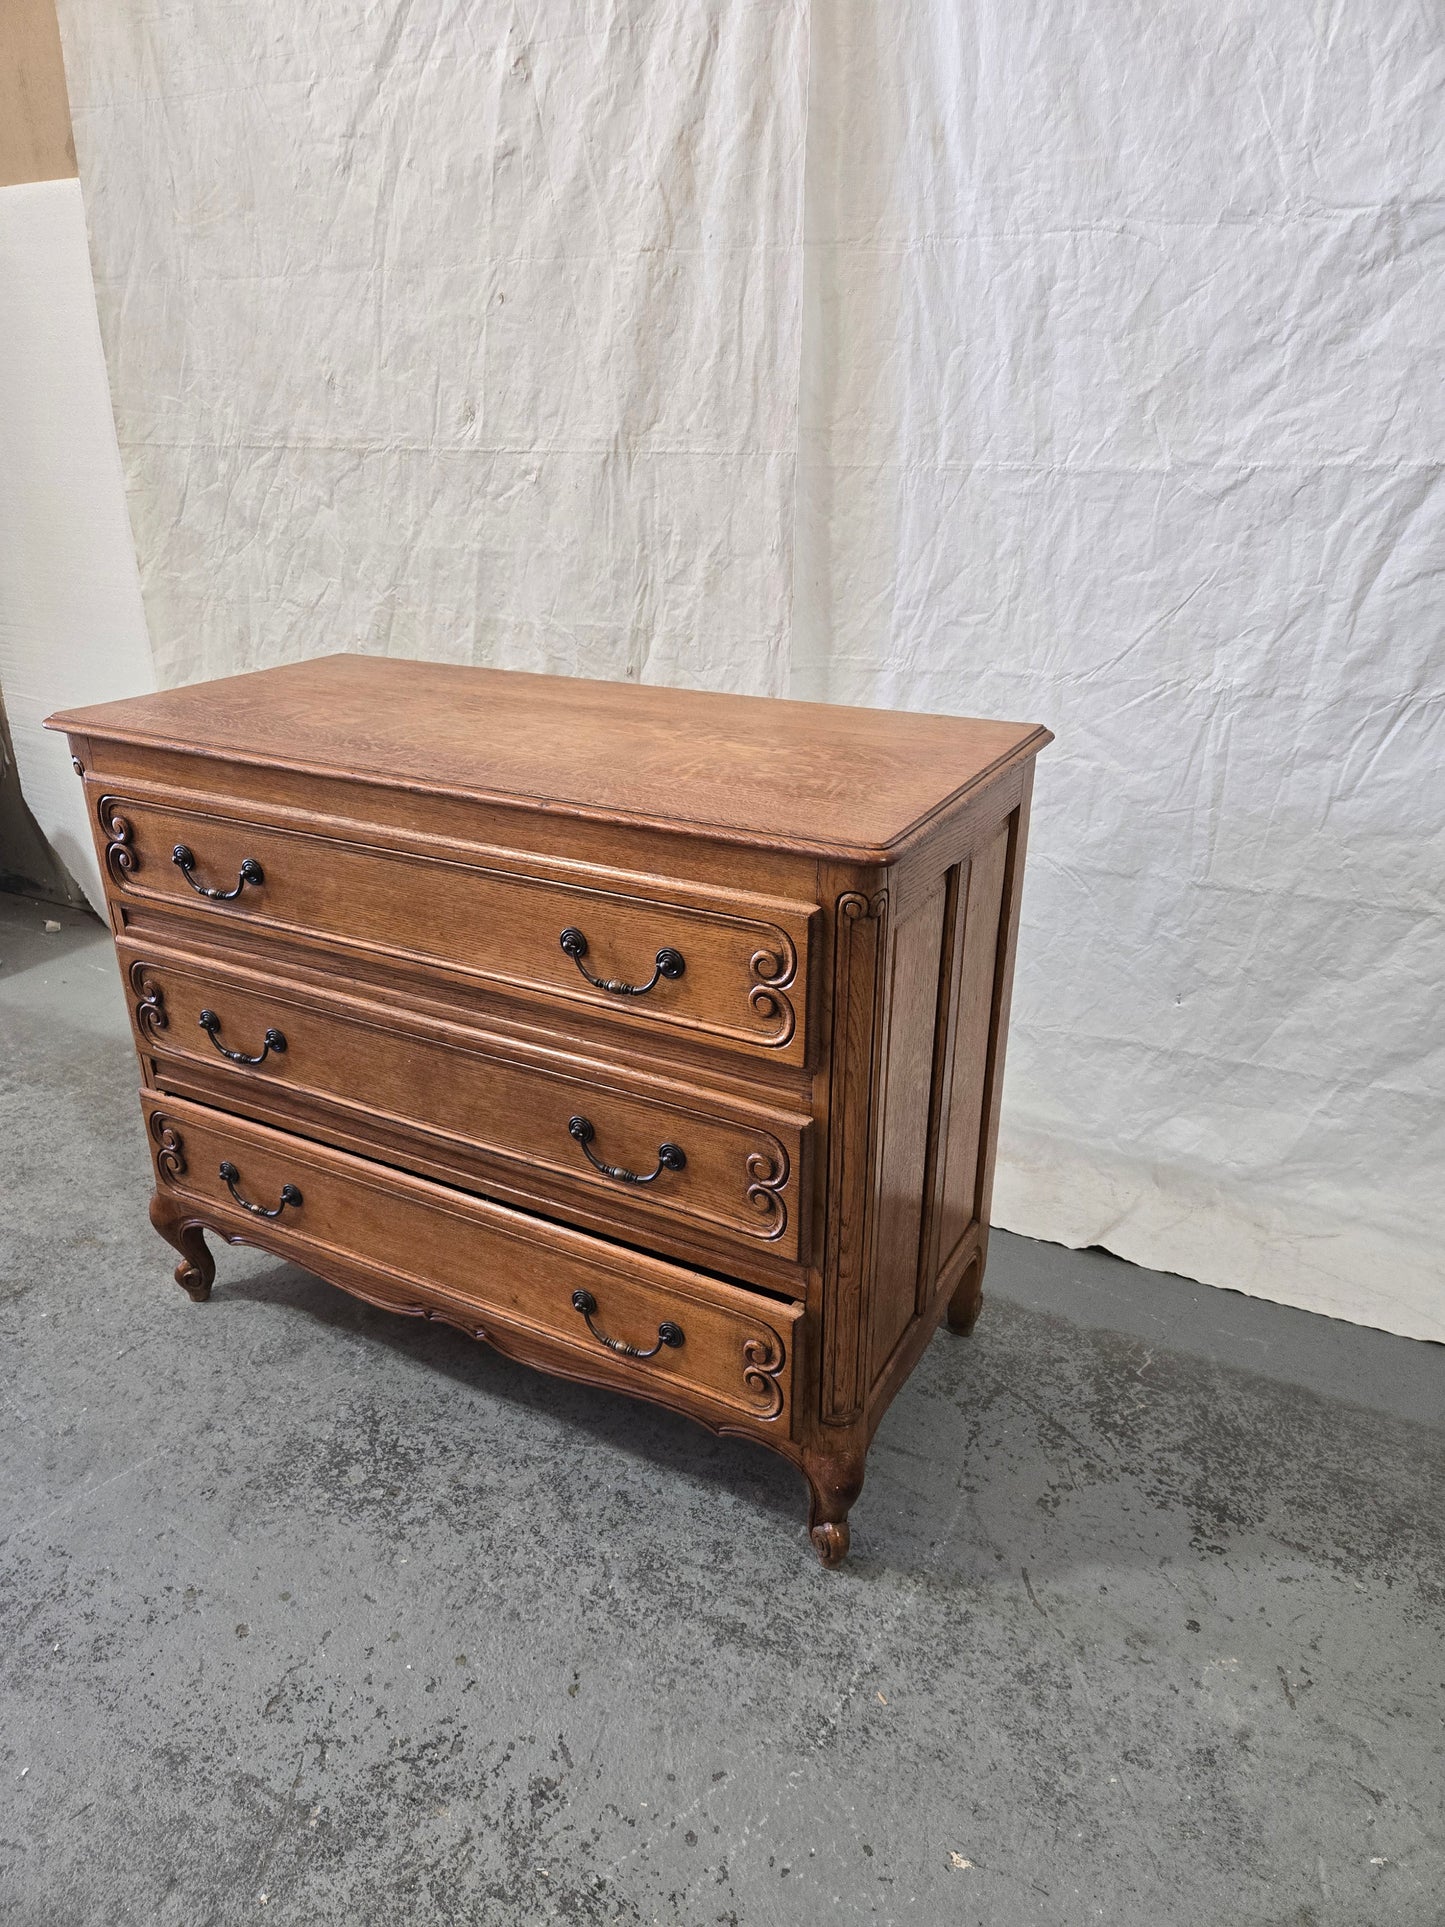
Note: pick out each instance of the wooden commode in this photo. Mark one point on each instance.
(654, 1037)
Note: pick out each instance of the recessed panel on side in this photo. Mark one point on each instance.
(907, 1085)
(961, 1118)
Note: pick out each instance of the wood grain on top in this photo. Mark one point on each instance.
(808, 775)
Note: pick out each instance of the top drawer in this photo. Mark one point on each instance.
(727, 968)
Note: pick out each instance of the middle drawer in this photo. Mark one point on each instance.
(643, 1149)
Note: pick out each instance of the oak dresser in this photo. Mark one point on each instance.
(653, 1037)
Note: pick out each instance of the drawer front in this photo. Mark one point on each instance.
(497, 1272)
(686, 1158)
(654, 963)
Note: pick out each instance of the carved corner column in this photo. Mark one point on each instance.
(859, 970)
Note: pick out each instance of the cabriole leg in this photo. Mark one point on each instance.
(834, 1483)
(196, 1272)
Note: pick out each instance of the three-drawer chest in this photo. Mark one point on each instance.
(653, 1037)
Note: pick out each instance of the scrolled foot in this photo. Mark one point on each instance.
(196, 1272)
(192, 1279)
(831, 1541)
(833, 1485)
(967, 1300)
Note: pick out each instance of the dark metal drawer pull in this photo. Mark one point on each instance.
(289, 1194)
(670, 1157)
(669, 963)
(272, 1041)
(184, 860)
(667, 1333)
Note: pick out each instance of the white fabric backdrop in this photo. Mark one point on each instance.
(72, 627)
(1068, 360)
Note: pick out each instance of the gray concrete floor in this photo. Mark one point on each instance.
(312, 1615)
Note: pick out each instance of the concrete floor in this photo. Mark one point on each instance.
(313, 1615)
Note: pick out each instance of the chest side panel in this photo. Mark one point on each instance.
(922, 961)
(962, 1121)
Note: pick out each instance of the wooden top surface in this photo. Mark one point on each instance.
(812, 776)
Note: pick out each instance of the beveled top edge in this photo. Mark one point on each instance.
(827, 780)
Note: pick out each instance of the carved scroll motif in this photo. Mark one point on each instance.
(853, 905)
(772, 969)
(150, 1010)
(171, 1156)
(120, 859)
(768, 1174)
(762, 1363)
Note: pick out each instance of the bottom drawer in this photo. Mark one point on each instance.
(528, 1285)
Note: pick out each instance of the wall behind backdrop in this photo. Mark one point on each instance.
(1062, 360)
